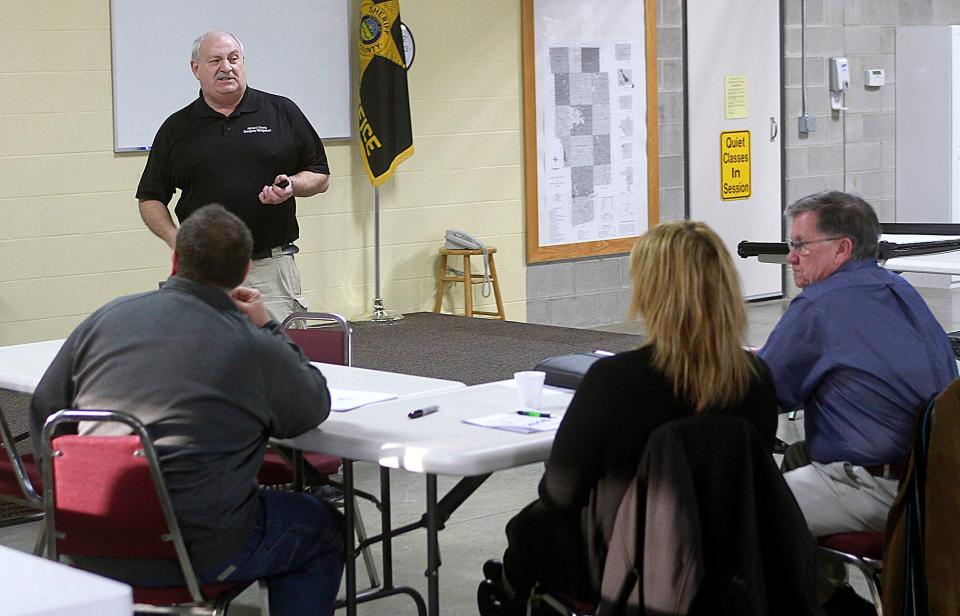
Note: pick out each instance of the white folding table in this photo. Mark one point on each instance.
(436, 444)
(937, 263)
(22, 366)
(36, 586)
(364, 379)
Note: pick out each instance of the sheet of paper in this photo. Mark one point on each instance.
(517, 423)
(349, 399)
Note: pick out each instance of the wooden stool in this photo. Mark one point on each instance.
(469, 279)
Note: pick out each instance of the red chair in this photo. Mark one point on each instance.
(106, 501)
(863, 550)
(323, 337)
(18, 476)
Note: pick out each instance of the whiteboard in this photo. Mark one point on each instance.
(300, 49)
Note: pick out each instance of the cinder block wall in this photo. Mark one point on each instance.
(70, 235)
(853, 149)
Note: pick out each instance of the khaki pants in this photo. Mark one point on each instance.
(278, 280)
(835, 498)
(840, 497)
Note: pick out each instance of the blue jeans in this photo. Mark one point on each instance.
(297, 547)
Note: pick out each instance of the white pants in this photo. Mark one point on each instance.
(841, 497)
(278, 280)
(836, 498)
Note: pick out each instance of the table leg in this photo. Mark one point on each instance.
(350, 564)
(385, 526)
(433, 549)
(438, 512)
(352, 597)
(298, 471)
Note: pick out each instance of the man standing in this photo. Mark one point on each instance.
(861, 352)
(203, 366)
(252, 151)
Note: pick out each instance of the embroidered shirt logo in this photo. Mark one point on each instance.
(256, 129)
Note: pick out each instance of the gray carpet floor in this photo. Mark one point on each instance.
(472, 350)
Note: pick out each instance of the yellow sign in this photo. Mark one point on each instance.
(735, 97)
(735, 165)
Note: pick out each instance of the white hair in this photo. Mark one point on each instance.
(195, 51)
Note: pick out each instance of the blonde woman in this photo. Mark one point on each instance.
(686, 290)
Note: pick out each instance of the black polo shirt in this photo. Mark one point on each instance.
(211, 158)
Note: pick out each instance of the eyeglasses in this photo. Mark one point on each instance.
(800, 246)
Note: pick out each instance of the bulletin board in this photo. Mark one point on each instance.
(300, 49)
(590, 126)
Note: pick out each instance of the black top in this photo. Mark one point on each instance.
(213, 158)
(210, 387)
(621, 400)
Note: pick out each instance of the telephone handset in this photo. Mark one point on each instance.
(461, 240)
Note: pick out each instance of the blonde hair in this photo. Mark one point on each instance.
(687, 291)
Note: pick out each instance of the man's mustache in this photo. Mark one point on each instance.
(222, 75)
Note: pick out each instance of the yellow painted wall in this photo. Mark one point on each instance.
(71, 238)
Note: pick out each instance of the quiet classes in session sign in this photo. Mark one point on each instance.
(735, 165)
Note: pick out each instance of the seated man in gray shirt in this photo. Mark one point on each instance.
(203, 366)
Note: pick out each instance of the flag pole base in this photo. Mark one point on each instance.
(379, 314)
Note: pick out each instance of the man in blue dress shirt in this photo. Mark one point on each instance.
(861, 353)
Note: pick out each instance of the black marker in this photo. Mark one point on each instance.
(283, 183)
(427, 410)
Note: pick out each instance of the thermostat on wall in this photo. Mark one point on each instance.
(874, 77)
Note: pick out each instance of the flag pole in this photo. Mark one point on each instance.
(383, 113)
(379, 314)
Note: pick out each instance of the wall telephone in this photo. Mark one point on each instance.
(461, 240)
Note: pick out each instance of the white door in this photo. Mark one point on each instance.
(733, 139)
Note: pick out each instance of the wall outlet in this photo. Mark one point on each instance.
(807, 124)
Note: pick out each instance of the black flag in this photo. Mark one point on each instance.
(386, 137)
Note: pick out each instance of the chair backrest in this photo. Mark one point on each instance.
(105, 496)
(919, 556)
(323, 336)
(11, 463)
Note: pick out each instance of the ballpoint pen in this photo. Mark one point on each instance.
(424, 411)
(534, 414)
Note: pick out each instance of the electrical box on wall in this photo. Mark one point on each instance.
(874, 77)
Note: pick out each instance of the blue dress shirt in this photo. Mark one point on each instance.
(862, 353)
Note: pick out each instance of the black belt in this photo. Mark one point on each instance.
(885, 471)
(276, 251)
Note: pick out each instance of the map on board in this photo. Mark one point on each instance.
(590, 119)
